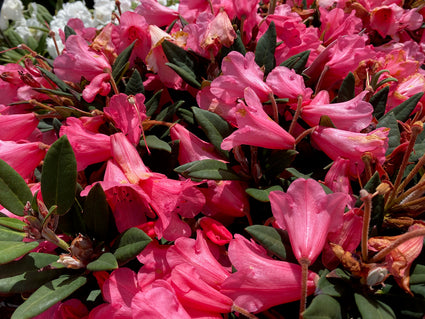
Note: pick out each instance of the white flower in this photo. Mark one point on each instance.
(11, 10)
(30, 27)
(103, 10)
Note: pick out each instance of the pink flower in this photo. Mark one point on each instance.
(15, 127)
(350, 145)
(215, 231)
(89, 147)
(256, 128)
(335, 23)
(128, 113)
(99, 85)
(261, 282)
(69, 309)
(308, 214)
(337, 178)
(155, 13)
(353, 115)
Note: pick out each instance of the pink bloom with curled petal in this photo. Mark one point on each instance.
(338, 176)
(128, 113)
(351, 145)
(155, 13)
(260, 281)
(99, 85)
(308, 214)
(256, 128)
(353, 115)
(215, 231)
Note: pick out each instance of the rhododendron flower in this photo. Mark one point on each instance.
(89, 147)
(337, 178)
(261, 282)
(308, 214)
(69, 309)
(128, 113)
(215, 231)
(336, 23)
(17, 126)
(256, 128)
(155, 13)
(350, 145)
(99, 85)
(353, 115)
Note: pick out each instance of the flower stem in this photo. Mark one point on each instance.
(304, 262)
(366, 197)
(274, 108)
(304, 134)
(296, 115)
(405, 237)
(244, 312)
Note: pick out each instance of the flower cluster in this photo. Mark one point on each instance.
(213, 158)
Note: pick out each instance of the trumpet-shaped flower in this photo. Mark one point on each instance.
(256, 128)
(261, 282)
(308, 214)
(15, 127)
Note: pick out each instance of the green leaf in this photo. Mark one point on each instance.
(48, 295)
(121, 62)
(168, 112)
(207, 169)
(266, 47)
(262, 195)
(269, 238)
(346, 90)
(130, 244)
(154, 142)
(14, 192)
(135, 84)
(52, 77)
(153, 103)
(59, 176)
(7, 234)
(106, 261)
(323, 307)
(182, 63)
(15, 40)
(237, 45)
(278, 161)
(379, 102)
(403, 111)
(96, 214)
(69, 31)
(417, 275)
(214, 127)
(12, 223)
(10, 250)
(390, 121)
(68, 112)
(373, 309)
(333, 286)
(43, 15)
(297, 62)
(25, 274)
(297, 173)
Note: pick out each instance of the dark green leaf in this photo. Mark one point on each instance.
(379, 102)
(297, 173)
(346, 90)
(183, 63)
(25, 274)
(153, 103)
(323, 307)
(130, 244)
(15, 40)
(403, 111)
(59, 176)
(69, 31)
(96, 214)
(417, 275)
(266, 47)
(168, 112)
(14, 192)
(68, 112)
(269, 238)
(390, 121)
(7, 234)
(53, 92)
(237, 45)
(373, 309)
(385, 81)
(154, 142)
(207, 169)
(135, 84)
(375, 78)
(186, 115)
(214, 126)
(10, 250)
(12, 223)
(297, 61)
(106, 261)
(262, 195)
(121, 62)
(48, 295)
(332, 286)
(278, 161)
(52, 77)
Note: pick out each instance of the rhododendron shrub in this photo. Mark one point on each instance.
(212, 159)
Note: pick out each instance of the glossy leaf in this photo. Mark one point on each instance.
(403, 111)
(106, 261)
(25, 274)
(346, 90)
(207, 169)
(14, 192)
(96, 214)
(10, 250)
(121, 62)
(214, 127)
(269, 238)
(373, 309)
(379, 102)
(154, 142)
(8, 234)
(265, 49)
(262, 195)
(390, 121)
(59, 176)
(135, 84)
(323, 307)
(48, 295)
(297, 62)
(130, 244)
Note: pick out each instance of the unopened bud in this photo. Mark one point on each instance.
(383, 188)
